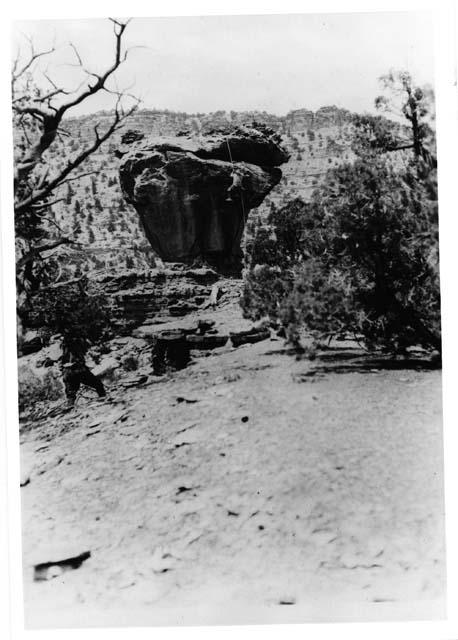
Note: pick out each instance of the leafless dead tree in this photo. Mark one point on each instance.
(38, 114)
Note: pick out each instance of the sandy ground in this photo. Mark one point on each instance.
(249, 487)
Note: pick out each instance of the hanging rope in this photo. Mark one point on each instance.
(230, 154)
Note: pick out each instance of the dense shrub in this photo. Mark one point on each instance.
(360, 258)
(73, 310)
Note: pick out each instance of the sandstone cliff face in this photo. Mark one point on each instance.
(193, 194)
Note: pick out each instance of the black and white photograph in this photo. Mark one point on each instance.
(228, 319)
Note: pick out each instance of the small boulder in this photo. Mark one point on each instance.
(204, 342)
(134, 380)
(249, 337)
(106, 367)
(55, 351)
(204, 325)
(31, 343)
(170, 351)
(181, 309)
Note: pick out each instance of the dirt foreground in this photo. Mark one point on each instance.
(247, 488)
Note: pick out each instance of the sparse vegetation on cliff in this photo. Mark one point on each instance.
(93, 211)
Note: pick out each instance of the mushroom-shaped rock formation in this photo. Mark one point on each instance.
(193, 193)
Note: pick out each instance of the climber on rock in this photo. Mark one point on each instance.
(236, 186)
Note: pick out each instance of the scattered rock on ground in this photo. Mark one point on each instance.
(249, 337)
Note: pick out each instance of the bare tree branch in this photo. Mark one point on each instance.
(118, 28)
(46, 205)
(80, 175)
(39, 194)
(31, 110)
(40, 113)
(38, 250)
(53, 94)
(50, 120)
(34, 56)
(78, 57)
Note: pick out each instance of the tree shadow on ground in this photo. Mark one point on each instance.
(352, 358)
(345, 362)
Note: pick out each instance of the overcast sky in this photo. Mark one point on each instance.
(272, 63)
